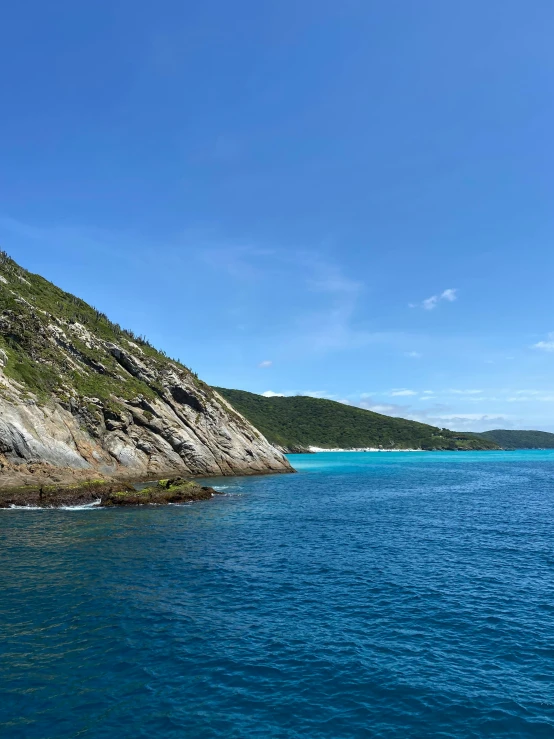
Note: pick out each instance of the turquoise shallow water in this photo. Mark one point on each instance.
(370, 595)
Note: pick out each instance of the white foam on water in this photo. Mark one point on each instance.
(232, 488)
(84, 507)
(23, 508)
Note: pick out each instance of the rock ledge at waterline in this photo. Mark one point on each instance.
(105, 494)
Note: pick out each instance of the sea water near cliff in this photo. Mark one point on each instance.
(370, 595)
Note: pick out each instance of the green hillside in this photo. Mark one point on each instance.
(45, 366)
(299, 421)
(508, 439)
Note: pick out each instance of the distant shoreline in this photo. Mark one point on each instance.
(317, 450)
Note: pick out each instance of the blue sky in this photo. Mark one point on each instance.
(349, 199)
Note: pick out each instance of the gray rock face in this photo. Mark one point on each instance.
(155, 418)
(188, 429)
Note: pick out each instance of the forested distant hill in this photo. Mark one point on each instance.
(298, 422)
(509, 439)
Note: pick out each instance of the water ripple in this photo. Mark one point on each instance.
(369, 596)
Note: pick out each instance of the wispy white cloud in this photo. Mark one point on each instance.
(473, 417)
(531, 398)
(271, 394)
(413, 355)
(245, 263)
(467, 421)
(545, 346)
(333, 324)
(477, 412)
(464, 395)
(449, 295)
(387, 409)
(328, 278)
(266, 363)
(439, 415)
(430, 303)
(326, 323)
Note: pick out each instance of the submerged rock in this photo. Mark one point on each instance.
(180, 491)
(105, 494)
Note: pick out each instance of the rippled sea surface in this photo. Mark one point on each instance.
(370, 595)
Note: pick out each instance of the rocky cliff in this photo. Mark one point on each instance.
(79, 396)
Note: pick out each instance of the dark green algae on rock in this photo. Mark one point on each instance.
(106, 494)
(163, 492)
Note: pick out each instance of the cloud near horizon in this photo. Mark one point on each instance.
(440, 415)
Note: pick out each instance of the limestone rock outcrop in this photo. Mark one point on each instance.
(79, 393)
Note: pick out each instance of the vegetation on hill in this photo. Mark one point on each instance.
(509, 439)
(299, 422)
(32, 309)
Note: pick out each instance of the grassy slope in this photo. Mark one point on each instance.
(509, 439)
(28, 301)
(303, 421)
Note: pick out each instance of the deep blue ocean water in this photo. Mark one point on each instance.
(370, 595)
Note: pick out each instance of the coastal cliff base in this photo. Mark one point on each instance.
(106, 494)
